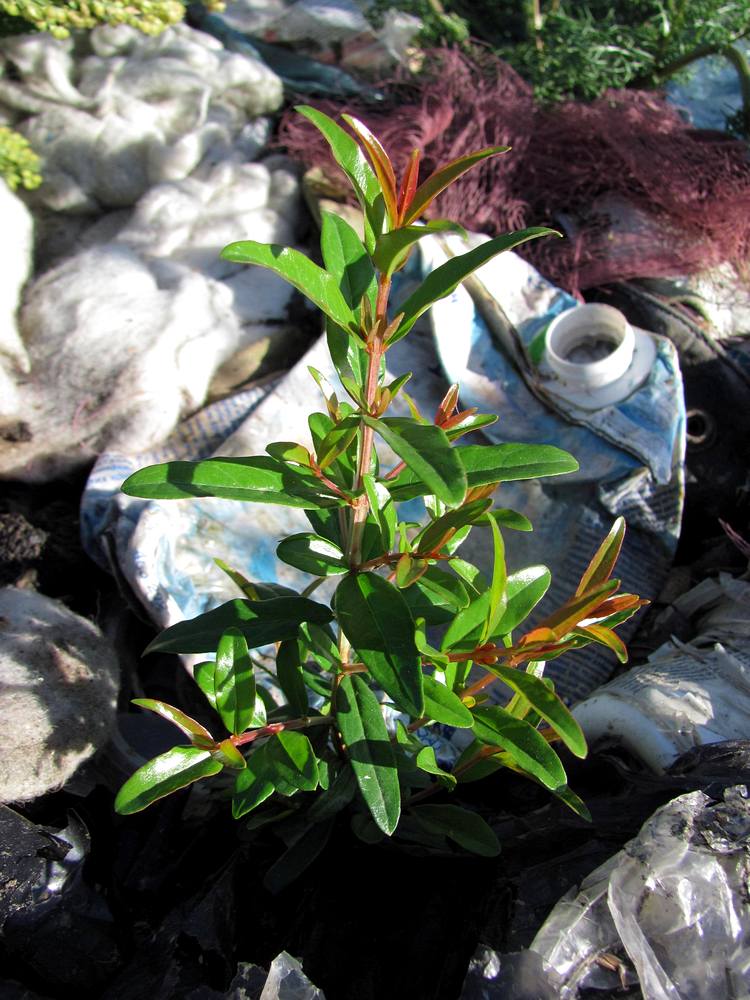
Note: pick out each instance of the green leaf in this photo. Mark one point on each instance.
(318, 285)
(335, 798)
(474, 422)
(167, 773)
(203, 675)
(383, 509)
(347, 352)
(467, 622)
(511, 519)
(298, 858)
(290, 677)
(260, 622)
(496, 727)
(253, 785)
(292, 762)
(312, 554)
(430, 538)
(234, 682)
(438, 181)
(496, 463)
(353, 162)
(434, 656)
(601, 566)
(427, 762)
(377, 622)
(546, 704)
(444, 279)
(347, 260)
(428, 454)
(392, 249)
(288, 451)
(195, 732)
(258, 480)
(336, 441)
(444, 706)
(574, 802)
(228, 755)
(525, 589)
(443, 589)
(465, 828)
(360, 721)
(498, 584)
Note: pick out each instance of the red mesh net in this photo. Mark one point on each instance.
(638, 192)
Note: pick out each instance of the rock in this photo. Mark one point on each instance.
(125, 335)
(17, 228)
(59, 679)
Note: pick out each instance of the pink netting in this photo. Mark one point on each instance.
(638, 192)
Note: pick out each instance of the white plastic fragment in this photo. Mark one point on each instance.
(686, 695)
(59, 678)
(287, 981)
(675, 899)
(17, 228)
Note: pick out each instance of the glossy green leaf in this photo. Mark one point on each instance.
(446, 278)
(574, 802)
(497, 463)
(195, 732)
(605, 637)
(525, 589)
(360, 721)
(431, 537)
(260, 622)
(253, 785)
(445, 175)
(347, 260)
(290, 677)
(347, 352)
(312, 554)
(167, 773)
(316, 284)
(376, 620)
(465, 828)
(496, 727)
(546, 704)
(427, 762)
(234, 682)
(427, 452)
(433, 656)
(601, 566)
(383, 509)
(474, 422)
(468, 622)
(228, 755)
(498, 583)
(258, 480)
(511, 519)
(288, 451)
(444, 706)
(392, 249)
(336, 441)
(203, 675)
(353, 162)
(255, 591)
(292, 762)
(443, 589)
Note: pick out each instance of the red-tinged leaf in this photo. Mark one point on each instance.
(605, 637)
(228, 754)
(167, 773)
(195, 732)
(577, 609)
(443, 176)
(600, 568)
(623, 602)
(408, 184)
(537, 636)
(381, 164)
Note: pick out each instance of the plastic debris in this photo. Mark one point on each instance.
(17, 228)
(287, 981)
(625, 427)
(669, 911)
(687, 695)
(56, 669)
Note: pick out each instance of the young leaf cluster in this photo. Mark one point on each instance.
(411, 624)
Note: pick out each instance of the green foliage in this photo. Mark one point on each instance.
(19, 164)
(410, 623)
(59, 19)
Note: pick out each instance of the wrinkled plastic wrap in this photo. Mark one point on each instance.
(671, 909)
(688, 694)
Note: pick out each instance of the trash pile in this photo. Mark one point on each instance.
(125, 341)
